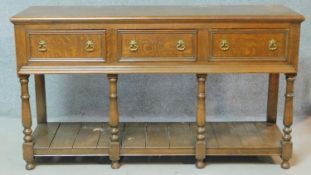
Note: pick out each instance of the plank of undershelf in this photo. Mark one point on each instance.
(104, 136)
(88, 135)
(210, 137)
(134, 135)
(157, 135)
(249, 135)
(270, 134)
(65, 135)
(226, 137)
(180, 135)
(44, 134)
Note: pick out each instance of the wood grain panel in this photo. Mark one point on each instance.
(134, 135)
(157, 135)
(67, 45)
(180, 130)
(44, 134)
(88, 135)
(157, 45)
(210, 138)
(269, 134)
(226, 136)
(247, 134)
(248, 45)
(65, 136)
(104, 136)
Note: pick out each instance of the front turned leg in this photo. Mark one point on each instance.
(287, 145)
(201, 113)
(114, 150)
(27, 122)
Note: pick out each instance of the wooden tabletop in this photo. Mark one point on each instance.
(132, 13)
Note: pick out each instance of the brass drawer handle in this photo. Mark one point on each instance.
(224, 45)
(180, 45)
(273, 45)
(133, 45)
(89, 46)
(42, 46)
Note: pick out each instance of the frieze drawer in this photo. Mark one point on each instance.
(67, 45)
(248, 45)
(156, 45)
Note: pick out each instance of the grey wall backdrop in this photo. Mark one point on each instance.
(150, 97)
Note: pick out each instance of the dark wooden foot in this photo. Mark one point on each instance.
(115, 164)
(285, 164)
(30, 165)
(200, 164)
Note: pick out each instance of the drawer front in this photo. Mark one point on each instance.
(248, 45)
(157, 45)
(73, 45)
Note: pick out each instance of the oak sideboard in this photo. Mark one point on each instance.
(198, 40)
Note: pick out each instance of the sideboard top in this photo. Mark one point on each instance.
(158, 13)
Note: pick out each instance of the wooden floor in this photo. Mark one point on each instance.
(222, 138)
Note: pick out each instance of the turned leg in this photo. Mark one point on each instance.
(114, 150)
(200, 140)
(40, 98)
(273, 92)
(287, 145)
(26, 119)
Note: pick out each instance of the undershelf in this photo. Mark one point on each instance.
(138, 139)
